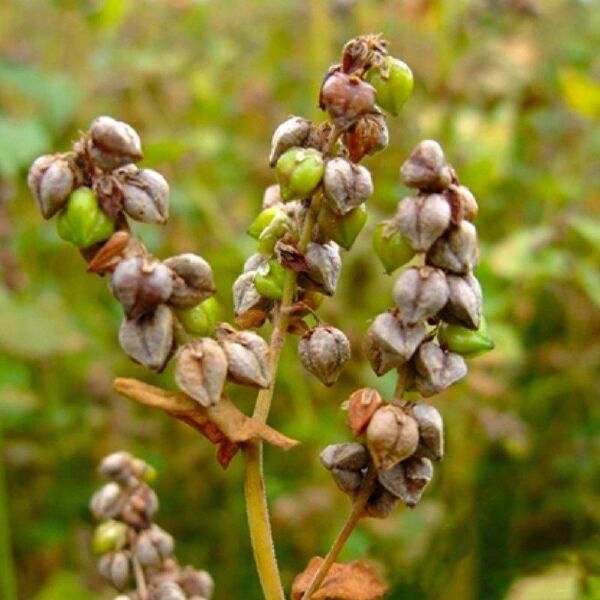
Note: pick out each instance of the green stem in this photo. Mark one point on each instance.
(353, 518)
(257, 509)
(8, 586)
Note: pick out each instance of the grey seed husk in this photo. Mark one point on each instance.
(152, 546)
(323, 352)
(272, 197)
(248, 357)
(141, 284)
(117, 465)
(51, 181)
(324, 266)
(108, 501)
(245, 294)
(423, 219)
(254, 262)
(146, 196)
(346, 185)
(468, 202)
(381, 503)
(390, 342)
(201, 370)
(408, 479)
(167, 590)
(194, 281)
(196, 583)
(457, 250)
(115, 568)
(346, 480)
(294, 131)
(431, 431)
(113, 143)
(437, 369)
(464, 301)
(351, 456)
(420, 293)
(426, 168)
(148, 340)
(391, 436)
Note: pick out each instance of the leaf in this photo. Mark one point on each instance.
(587, 275)
(64, 585)
(21, 140)
(352, 581)
(580, 92)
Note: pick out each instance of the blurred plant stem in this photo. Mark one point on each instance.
(257, 508)
(352, 520)
(8, 587)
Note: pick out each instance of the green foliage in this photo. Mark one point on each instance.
(514, 101)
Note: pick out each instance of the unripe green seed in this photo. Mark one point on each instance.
(82, 221)
(392, 91)
(109, 536)
(201, 319)
(342, 229)
(275, 230)
(262, 220)
(391, 247)
(465, 341)
(268, 280)
(299, 171)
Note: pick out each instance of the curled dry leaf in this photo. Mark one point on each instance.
(357, 580)
(361, 407)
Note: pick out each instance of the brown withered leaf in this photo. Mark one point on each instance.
(223, 424)
(291, 258)
(106, 259)
(361, 407)
(255, 317)
(352, 581)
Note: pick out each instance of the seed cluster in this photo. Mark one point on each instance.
(130, 545)
(435, 324)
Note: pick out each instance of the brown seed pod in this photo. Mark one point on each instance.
(201, 370)
(420, 293)
(51, 179)
(346, 185)
(196, 583)
(464, 301)
(426, 168)
(361, 407)
(368, 136)
(423, 219)
(113, 143)
(381, 503)
(116, 569)
(152, 546)
(346, 480)
(108, 501)
(457, 250)
(431, 431)
(146, 196)
(193, 281)
(324, 266)
(323, 352)
(245, 294)
(392, 436)
(351, 457)
(408, 479)
(437, 369)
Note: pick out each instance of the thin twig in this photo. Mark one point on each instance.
(140, 579)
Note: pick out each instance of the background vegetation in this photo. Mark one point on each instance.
(512, 93)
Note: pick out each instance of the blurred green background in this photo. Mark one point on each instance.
(512, 90)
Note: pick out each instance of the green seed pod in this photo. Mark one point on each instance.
(201, 319)
(392, 91)
(343, 230)
(465, 341)
(82, 221)
(109, 536)
(391, 247)
(263, 219)
(268, 280)
(275, 230)
(299, 171)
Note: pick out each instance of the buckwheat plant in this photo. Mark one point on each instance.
(133, 548)
(309, 218)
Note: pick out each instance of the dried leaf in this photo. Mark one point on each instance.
(352, 581)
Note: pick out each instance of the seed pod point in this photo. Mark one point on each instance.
(361, 407)
(113, 143)
(466, 342)
(291, 133)
(457, 250)
(351, 457)
(423, 219)
(393, 83)
(324, 266)
(324, 351)
(201, 370)
(431, 431)
(391, 247)
(426, 168)
(299, 171)
(346, 185)
(193, 282)
(464, 301)
(437, 370)
(82, 221)
(392, 436)
(420, 293)
(146, 196)
(50, 180)
(408, 480)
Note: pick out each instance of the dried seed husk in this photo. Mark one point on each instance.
(113, 143)
(146, 196)
(468, 202)
(141, 284)
(391, 247)
(167, 590)
(148, 339)
(346, 480)
(196, 583)
(431, 431)
(392, 436)
(420, 293)
(193, 282)
(108, 501)
(201, 371)
(152, 546)
(51, 180)
(115, 568)
(464, 301)
(294, 131)
(323, 352)
(390, 342)
(381, 503)
(324, 266)
(426, 168)
(437, 369)
(457, 250)
(361, 407)
(423, 219)
(254, 261)
(408, 479)
(248, 356)
(346, 185)
(368, 136)
(299, 172)
(351, 456)
(245, 295)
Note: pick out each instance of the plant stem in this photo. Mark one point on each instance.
(140, 579)
(353, 518)
(8, 586)
(257, 509)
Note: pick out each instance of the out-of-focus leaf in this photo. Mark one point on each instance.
(62, 586)
(109, 14)
(557, 584)
(580, 92)
(586, 228)
(587, 275)
(21, 140)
